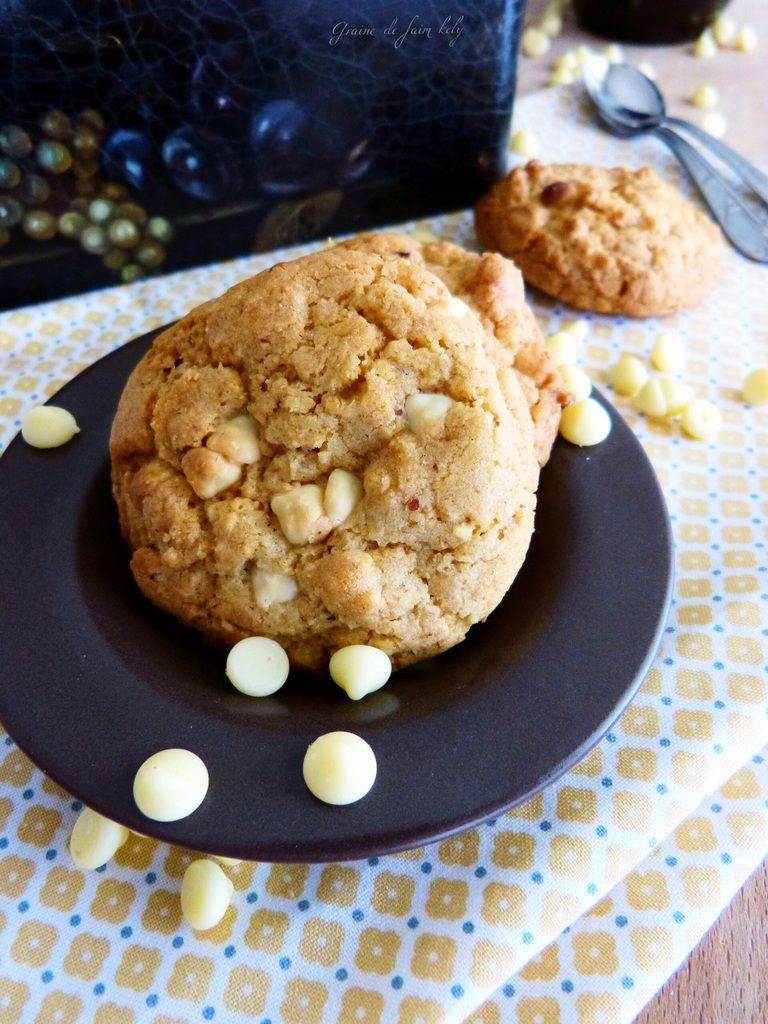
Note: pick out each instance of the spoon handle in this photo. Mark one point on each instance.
(748, 233)
(753, 176)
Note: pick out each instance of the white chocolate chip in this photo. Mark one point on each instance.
(236, 440)
(668, 353)
(628, 376)
(705, 46)
(534, 42)
(95, 839)
(724, 31)
(456, 306)
(208, 473)
(701, 419)
(301, 514)
(342, 494)
(647, 69)
(170, 785)
(705, 96)
(562, 76)
(677, 395)
(525, 143)
(576, 381)
(425, 412)
(360, 669)
(423, 234)
(651, 399)
(578, 328)
(48, 426)
(563, 347)
(755, 387)
(568, 61)
(551, 24)
(715, 123)
(585, 423)
(270, 588)
(614, 53)
(746, 39)
(205, 894)
(339, 768)
(257, 666)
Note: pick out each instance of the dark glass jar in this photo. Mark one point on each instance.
(647, 21)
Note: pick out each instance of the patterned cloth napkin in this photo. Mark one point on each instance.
(435, 935)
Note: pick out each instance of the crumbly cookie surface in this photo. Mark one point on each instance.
(492, 287)
(281, 468)
(613, 240)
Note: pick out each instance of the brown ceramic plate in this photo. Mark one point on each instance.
(93, 679)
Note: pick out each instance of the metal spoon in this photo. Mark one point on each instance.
(629, 103)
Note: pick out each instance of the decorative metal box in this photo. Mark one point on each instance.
(140, 135)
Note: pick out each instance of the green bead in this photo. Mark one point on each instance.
(113, 190)
(150, 253)
(85, 141)
(55, 124)
(11, 212)
(10, 175)
(160, 228)
(94, 239)
(132, 211)
(53, 157)
(124, 233)
(39, 224)
(72, 224)
(114, 259)
(131, 272)
(101, 210)
(34, 189)
(93, 119)
(5, 237)
(14, 141)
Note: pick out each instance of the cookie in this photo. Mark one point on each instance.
(492, 287)
(610, 240)
(325, 455)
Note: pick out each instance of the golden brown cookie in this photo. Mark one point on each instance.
(282, 466)
(613, 240)
(492, 287)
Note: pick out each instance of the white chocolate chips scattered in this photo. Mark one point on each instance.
(651, 399)
(170, 785)
(48, 426)
(563, 347)
(647, 69)
(218, 464)
(576, 381)
(746, 39)
(701, 419)
(724, 31)
(525, 143)
(307, 514)
(713, 122)
(628, 376)
(705, 96)
(755, 387)
(339, 768)
(585, 423)
(205, 894)
(613, 53)
(425, 412)
(95, 839)
(705, 46)
(668, 352)
(270, 588)
(360, 669)
(257, 666)
(534, 42)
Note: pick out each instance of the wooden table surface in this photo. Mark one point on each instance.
(725, 979)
